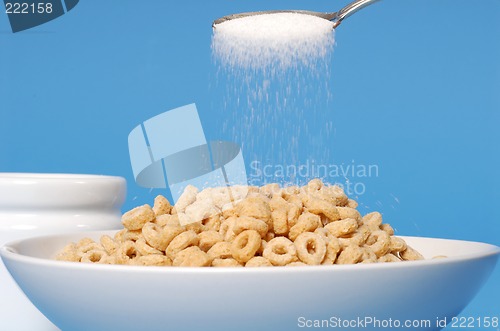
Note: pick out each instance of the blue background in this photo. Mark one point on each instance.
(415, 89)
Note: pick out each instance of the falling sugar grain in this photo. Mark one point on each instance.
(273, 71)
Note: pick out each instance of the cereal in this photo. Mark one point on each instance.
(350, 255)
(245, 245)
(321, 207)
(256, 207)
(208, 239)
(69, 253)
(348, 212)
(161, 206)
(380, 242)
(389, 258)
(306, 222)
(229, 262)
(279, 215)
(182, 241)
(332, 250)
(191, 257)
(280, 251)
(311, 248)
(221, 250)
(137, 217)
(126, 252)
(249, 223)
(343, 227)
(409, 254)
(94, 256)
(258, 261)
(144, 249)
(108, 244)
(242, 226)
(151, 260)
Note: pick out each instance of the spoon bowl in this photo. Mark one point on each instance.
(335, 17)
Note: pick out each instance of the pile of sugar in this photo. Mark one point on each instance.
(277, 40)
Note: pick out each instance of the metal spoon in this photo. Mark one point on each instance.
(336, 17)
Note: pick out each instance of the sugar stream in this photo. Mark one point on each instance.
(273, 74)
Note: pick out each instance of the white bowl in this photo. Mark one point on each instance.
(78, 296)
(40, 204)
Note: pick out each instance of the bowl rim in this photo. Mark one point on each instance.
(32, 177)
(8, 251)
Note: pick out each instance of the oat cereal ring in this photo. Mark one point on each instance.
(311, 248)
(380, 242)
(409, 254)
(181, 242)
(372, 220)
(280, 251)
(69, 253)
(293, 214)
(333, 248)
(352, 203)
(324, 233)
(294, 199)
(270, 190)
(212, 223)
(279, 214)
(258, 261)
(226, 229)
(287, 191)
(228, 210)
(307, 222)
(108, 244)
(84, 242)
(245, 245)
(221, 250)
(145, 249)
(228, 262)
(356, 239)
(94, 256)
(315, 185)
(167, 219)
(191, 257)
(343, 227)
(159, 237)
(161, 206)
(255, 207)
(350, 255)
(81, 250)
(200, 210)
(336, 195)
(151, 260)
(389, 258)
(208, 239)
(387, 228)
(196, 227)
(369, 255)
(347, 212)
(126, 252)
(132, 235)
(397, 245)
(318, 207)
(249, 223)
(187, 197)
(137, 217)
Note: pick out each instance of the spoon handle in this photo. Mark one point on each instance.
(350, 9)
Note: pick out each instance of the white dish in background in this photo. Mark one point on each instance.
(77, 296)
(39, 204)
